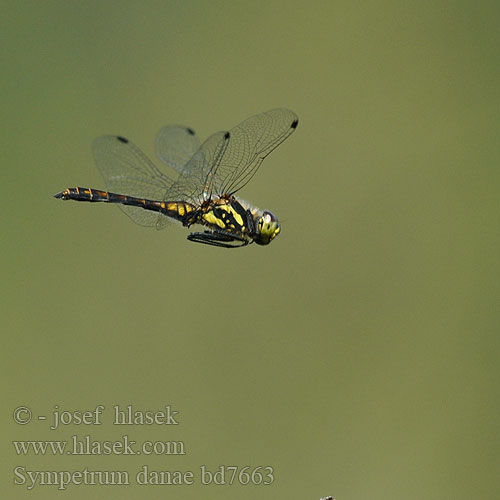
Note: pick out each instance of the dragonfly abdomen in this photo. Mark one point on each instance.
(95, 195)
(179, 210)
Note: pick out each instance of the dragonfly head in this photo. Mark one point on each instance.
(268, 228)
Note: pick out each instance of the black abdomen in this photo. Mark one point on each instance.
(176, 209)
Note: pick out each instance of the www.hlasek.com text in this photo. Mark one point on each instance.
(87, 446)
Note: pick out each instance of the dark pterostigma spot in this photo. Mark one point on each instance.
(227, 135)
(190, 131)
(122, 139)
(295, 123)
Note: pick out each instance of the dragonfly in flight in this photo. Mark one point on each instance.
(209, 175)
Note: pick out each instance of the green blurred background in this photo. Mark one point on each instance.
(357, 354)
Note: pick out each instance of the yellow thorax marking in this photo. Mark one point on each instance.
(236, 215)
(211, 218)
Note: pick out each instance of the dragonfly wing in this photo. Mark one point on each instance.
(250, 142)
(196, 178)
(176, 145)
(127, 170)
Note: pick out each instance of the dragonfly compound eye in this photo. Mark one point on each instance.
(268, 228)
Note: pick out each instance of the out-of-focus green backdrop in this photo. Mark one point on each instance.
(357, 354)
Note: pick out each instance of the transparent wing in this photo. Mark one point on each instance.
(176, 145)
(250, 142)
(224, 163)
(127, 170)
(196, 177)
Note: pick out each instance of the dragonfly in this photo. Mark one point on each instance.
(208, 177)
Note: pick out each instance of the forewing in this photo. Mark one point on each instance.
(196, 178)
(127, 170)
(176, 145)
(250, 142)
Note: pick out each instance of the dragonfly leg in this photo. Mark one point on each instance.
(218, 239)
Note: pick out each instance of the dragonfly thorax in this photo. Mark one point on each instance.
(233, 216)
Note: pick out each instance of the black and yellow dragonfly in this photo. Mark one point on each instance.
(208, 178)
